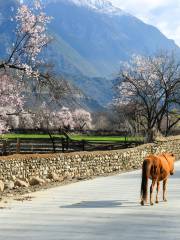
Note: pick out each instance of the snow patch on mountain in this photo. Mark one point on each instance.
(101, 6)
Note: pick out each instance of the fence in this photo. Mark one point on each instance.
(50, 145)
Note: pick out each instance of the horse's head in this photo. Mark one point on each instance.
(172, 159)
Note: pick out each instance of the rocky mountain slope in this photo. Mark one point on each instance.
(91, 38)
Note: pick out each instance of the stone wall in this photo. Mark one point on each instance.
(83, 164)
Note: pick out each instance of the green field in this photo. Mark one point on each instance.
(73, 137)
(105, 138)
(12, 136)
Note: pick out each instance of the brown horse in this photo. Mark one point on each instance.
(157, 168)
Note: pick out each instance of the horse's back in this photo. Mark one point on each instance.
(160, 166)
(153, 160)
(153, 164)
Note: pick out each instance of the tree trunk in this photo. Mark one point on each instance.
(150, 135)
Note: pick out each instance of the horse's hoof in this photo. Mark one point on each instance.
(142, 203)
(152, 203)
(165, 200)
(157, 201)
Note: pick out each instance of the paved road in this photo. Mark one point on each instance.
(99, 209)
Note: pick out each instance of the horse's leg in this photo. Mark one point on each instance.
(164, 190)
(157, 189)
(151, 191)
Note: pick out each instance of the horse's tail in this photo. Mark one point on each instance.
(144, 183)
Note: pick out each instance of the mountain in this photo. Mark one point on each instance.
(91, 38)
(103, 35)
(6, 25)
(101, 6)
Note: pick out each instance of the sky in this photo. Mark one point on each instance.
(164, 14)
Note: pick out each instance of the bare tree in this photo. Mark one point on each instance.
(128, 118)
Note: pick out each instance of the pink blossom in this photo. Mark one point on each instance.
(64, 118)
(11, 100)
(82, 119)
(31, 36)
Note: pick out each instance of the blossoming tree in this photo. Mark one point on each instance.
(63, 119)
(23, 60)
(11, 100)
(82, 119)
(152, 85)
(31, 38)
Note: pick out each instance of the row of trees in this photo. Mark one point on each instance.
(148, 94)
(46, 119)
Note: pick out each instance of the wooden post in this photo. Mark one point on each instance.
(4, 147)
(62, 142)
(67, 144)
(83, 145)
(54, 146)
(18, 146)
(8, 150)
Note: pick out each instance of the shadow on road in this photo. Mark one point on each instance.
(103, 204)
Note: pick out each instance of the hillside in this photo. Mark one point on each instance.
(101, 36)
(91, 38)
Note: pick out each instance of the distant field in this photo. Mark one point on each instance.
(12, 136)
(74, 137)
(105, 138)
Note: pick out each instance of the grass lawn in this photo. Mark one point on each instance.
(13, 135)
(74, 137)
(105, 138)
